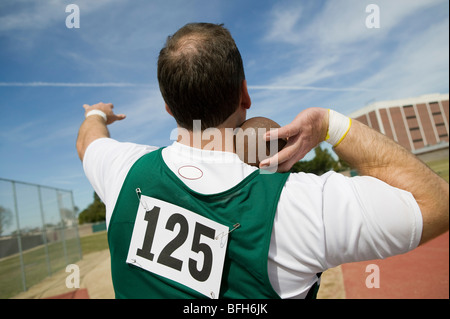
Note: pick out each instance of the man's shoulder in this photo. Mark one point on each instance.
(107, 147)
(309, 179)
(113, 156)
(106, 164)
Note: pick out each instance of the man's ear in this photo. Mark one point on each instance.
(246, 101)
(168, 110)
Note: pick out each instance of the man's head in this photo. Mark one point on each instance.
(200, 74)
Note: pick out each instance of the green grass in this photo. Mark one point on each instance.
(440, 167)
(95, 242)
(35, 262)
(35, 265)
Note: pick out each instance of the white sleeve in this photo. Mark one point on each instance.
(365, 218)
(297, 244)
(325, 221)
(106, 164)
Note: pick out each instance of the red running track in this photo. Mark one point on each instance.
(75, 294)
(418, 274)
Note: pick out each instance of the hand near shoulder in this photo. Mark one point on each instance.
(372, 154)
(305, 132)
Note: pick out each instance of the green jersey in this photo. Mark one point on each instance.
(156, 209)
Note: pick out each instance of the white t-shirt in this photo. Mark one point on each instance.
(321, 221)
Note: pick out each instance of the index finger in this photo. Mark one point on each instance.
(282, 132)
(280, 160)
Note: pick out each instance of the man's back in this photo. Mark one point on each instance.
(246, 211)
(311, 227)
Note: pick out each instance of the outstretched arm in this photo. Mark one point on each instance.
(95, 126)
(372, 154)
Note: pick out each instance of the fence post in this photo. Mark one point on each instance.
(44, 232)
(19, 238)
(63, 235)
(76, 228)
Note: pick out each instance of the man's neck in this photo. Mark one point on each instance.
(212, 139)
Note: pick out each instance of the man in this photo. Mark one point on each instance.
(192, 220)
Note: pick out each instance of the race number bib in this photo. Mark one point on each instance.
(179, 244)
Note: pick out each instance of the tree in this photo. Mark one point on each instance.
(95, 212)
(321, 163)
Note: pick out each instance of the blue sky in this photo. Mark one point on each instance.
(297, 54)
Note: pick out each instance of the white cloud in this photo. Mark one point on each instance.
(147, 121)
(33, 15)
(68, 84)
(336, 61)
(419, 66)
(338, 22)
(284, 21)
(20, 133)
(305, 88)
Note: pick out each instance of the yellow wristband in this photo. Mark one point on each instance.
(338, 127)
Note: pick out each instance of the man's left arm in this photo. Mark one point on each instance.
(95, 125)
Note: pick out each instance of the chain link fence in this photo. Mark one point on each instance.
(38, 234)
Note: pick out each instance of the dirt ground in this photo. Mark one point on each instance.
(421, 273)
(95, 276)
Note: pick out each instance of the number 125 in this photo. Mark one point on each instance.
(165, 257)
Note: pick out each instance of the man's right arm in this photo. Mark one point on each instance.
(372, 154)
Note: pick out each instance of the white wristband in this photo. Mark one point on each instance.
(338, 127)
(97, 112)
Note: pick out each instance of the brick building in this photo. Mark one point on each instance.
(418, 124)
